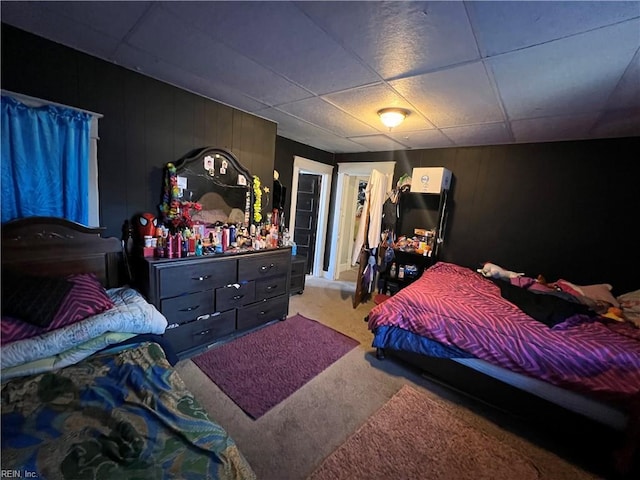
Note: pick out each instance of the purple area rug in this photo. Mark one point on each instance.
(262, 368)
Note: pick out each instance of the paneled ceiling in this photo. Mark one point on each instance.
(470, 73)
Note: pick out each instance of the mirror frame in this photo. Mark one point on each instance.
(198, 156)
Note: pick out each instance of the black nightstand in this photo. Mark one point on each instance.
(298, 272)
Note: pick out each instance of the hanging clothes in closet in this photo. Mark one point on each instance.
(371, 221)
(368, 237)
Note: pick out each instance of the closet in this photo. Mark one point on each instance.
(416, 230)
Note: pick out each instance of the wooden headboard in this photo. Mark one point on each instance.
(55, 246)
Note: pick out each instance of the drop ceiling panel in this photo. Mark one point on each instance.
(147, 64)
(618, 122)
(304, 132)
(506, 26)
(58, 28)
(433, 138)
(375, 143)
(115, 19)
(573, 75)
(487, 134)
(399, 38)
(317, 111)
(566, 127)
(198, 53)
(456, 96)
(627, 92)
(270, 33)
(364, 103)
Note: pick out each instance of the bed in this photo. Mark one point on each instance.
(562, 349)
(88, 386)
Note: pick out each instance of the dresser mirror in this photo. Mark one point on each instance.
(219, 183)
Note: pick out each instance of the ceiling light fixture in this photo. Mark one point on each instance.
(392, 117)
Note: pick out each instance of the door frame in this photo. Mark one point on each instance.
(359, 169)
(304, 165)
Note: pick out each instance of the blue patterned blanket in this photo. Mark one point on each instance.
(123, 416)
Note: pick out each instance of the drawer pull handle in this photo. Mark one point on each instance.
(264, 268)
(262, 313)
(271, 287)
(237, 297)
(201, 279)
(204, 332)
(190, 309)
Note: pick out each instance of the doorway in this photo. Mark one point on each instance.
(305, 166)
(355, 186)
(349, 175)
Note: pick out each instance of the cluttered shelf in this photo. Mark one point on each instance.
(404, 260)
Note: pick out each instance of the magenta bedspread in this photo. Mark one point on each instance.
(457, 306)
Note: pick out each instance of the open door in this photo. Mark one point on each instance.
(362, 291)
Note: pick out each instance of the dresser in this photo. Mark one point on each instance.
(213, 298)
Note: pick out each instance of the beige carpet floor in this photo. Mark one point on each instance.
(293, 439)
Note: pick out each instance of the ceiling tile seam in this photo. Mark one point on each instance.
(251, 59)
(311, 123)
(499, 101)
(603, 112)
(341, 44)
(388, 138)
(476, 29)
(125, 39)
(196, 75)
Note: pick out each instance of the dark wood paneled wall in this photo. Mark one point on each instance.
(146, 123)
(562, 209)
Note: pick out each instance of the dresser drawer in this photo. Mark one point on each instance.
(230, 296)
(179, 337)
(264, 265)
(263, 312)
(196, 277)
(271, 287)
(187, 307)
(201, 332)
(209, 330)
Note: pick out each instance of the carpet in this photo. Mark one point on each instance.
(261, 369)
(413, 437)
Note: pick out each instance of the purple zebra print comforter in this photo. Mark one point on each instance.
(458, 307)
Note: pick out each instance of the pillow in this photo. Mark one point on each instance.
(599, 293)
(630, 305)
(86, 297)
(33, 299)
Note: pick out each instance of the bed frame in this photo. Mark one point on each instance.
(56, 246)
(493, 381)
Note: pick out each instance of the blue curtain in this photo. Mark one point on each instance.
(45, 161)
